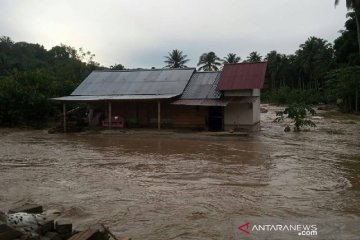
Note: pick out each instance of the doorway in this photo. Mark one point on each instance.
(216, 119)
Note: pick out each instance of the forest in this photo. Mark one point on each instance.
(318, 72)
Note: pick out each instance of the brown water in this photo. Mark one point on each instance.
(171, 187)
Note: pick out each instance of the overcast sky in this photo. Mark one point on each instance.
(139, 33)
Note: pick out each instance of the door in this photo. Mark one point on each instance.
(216, 119)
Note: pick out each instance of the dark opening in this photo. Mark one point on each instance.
(216, 119)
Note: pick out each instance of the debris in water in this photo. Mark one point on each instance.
(30, 222)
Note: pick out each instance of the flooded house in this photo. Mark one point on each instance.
(173, 98)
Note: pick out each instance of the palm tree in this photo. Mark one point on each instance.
(254, 57)
(209, 62)
(176, 59)
(231, 58)
(354, 5)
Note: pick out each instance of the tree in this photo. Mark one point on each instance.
(117, 67)
(30, 75)
(354, 5)
(209, 62)
(346, 46)
(176, 59)
(254, 57)
(24, 97)
(343, 84)
(279, 70)
(313, 60)
(298, 113)
(231, 58)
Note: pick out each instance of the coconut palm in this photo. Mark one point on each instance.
(231, 58)
(254, 57)
(209, 62)
(176, 59)
(354, 5)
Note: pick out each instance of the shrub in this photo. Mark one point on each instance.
(286, 95)
(298, 113)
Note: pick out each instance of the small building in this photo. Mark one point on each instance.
(173, 98)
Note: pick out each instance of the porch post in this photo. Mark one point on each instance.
(110, 116)
(64, 113)
(159, 116)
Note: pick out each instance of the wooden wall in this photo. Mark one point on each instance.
(144, 114)
(190, 117)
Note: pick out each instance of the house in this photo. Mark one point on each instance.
(173, 98)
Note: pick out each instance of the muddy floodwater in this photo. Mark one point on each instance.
(176, 186)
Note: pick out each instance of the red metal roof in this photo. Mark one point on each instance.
(242, 76)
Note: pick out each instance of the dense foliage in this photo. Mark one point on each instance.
(343, 86)
(318, 72)
(30, 75)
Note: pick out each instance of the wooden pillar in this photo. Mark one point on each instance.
(356, 99)
(159, 115)
(64, 113)
(109, 114)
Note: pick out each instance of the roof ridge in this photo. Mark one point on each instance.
(245, 63)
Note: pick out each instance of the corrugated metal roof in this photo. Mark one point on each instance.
(242, 76)
(202, 85)
(134, 82)
(202, 102)
(115, 97)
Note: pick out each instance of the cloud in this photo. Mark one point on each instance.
(138, 33)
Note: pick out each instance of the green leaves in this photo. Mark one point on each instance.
(344, 84)
(176, 59)
(209, 62)
(24, 98)
(231, 58)
(30, 75)
(254, 57)
(346, 46)
(298, 113)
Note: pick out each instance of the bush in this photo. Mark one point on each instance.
(298, 113)
(24, 98)
(286, 95)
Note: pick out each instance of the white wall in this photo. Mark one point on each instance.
(242, 115)
(238, 114)
(256, 111)
(256, 92)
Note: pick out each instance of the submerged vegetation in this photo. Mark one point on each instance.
(298, 113)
